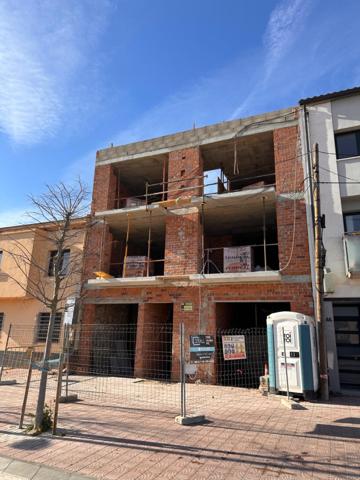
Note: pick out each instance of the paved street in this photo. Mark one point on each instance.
(247, 436)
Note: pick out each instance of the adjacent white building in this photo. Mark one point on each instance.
(333, 121)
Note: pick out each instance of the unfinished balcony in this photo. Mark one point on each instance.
(240, 237)
(239, 164)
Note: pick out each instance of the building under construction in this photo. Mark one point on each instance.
(206, 227)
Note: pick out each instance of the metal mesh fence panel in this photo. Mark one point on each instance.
(239, 361)
(124, 364)
(137, 367)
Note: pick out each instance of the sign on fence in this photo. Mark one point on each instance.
(69, 310)
(234, 347)
(202, 348)
(237, 259)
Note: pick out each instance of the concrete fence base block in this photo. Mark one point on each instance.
(69, 398)
(8, 382)
(291, 404)
(190, 420)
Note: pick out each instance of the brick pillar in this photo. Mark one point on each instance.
(98, 249)
(81, 362)
(104, 191)
(183, 225)
(183, 242)
(205, 372)
(287, 161)
(183, 165)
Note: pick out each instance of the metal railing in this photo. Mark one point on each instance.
(256, 258)
(149, 196)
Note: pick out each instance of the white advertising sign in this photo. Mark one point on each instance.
(234, 347)
(237, 259)
(69, 310)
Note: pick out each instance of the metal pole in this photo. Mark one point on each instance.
(58, 393)
(28, 380)
(126, 245)
(286, 370)
(5, 351)
(149, 247)
(324, 387)
(146, 192)
(67, 361)
(264, 233)
(182, 372)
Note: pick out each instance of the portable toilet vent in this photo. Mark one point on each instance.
(291, 336)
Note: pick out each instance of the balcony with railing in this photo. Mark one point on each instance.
(351, 243)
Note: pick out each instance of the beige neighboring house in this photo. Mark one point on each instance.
(27, 316)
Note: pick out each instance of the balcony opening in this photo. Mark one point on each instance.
(240, 235)
(138, 246)
(241, 163)
(140, 182)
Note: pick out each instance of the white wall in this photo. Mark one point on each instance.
(324, 119)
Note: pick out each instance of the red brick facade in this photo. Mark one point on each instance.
(183, 253)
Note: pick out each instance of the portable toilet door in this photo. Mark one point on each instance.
(291, 335)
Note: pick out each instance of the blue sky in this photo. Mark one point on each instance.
(76, 76)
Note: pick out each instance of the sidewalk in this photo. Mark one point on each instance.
(17, 470)
(247, 437)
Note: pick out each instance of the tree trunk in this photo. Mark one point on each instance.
(44, 373)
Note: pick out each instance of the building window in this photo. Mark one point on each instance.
(347, 144)
(1, 321)
(64, 266)
(43, 324)
(1, 257)
(352, 222)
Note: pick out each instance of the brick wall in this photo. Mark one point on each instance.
(183, 239)
(183, 165)
(183, 242)
(287, 164)
(104, 191)
(150, 311)
(98, 249)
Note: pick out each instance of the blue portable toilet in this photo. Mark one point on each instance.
(292, 335)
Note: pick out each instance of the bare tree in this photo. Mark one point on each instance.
(60, 212)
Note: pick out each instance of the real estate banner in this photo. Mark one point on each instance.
(234, 347)
(237, 259)
(202, 348)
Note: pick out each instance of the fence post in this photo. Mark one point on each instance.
(28, 380)
(183, 418)
(182, 371)
(5, 352)
(58, 392)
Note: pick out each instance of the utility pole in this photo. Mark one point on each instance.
(324, 387)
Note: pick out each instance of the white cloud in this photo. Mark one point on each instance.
(43, 45)
(284, 25)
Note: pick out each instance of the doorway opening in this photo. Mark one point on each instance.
(114, 340)
(246, 321)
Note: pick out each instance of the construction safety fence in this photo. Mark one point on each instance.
(153, 367)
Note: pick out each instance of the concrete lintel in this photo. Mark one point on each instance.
(141, 210)
(243, 277)
(122, 282)
(190, 280)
